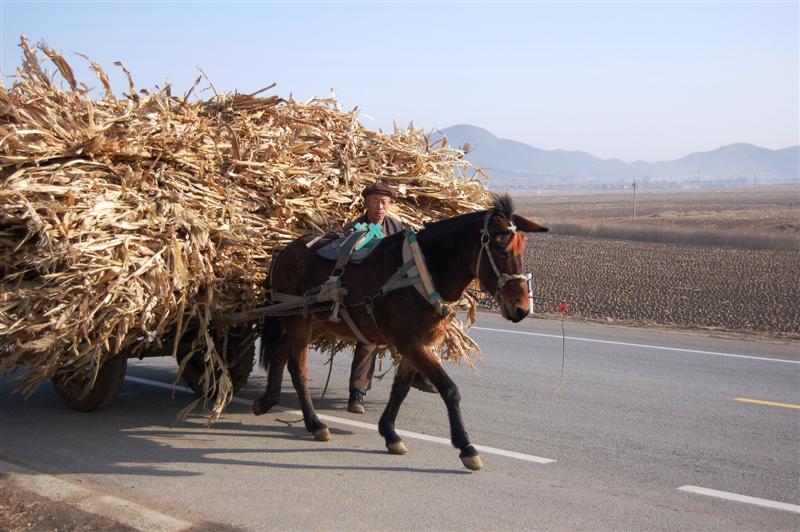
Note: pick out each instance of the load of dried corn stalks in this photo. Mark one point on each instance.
(122, 220)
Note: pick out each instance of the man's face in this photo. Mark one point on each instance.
(377, 207)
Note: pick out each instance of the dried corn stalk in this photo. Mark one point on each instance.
(125, 221)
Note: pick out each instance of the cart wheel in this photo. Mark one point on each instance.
(241, 356)
(106, 387)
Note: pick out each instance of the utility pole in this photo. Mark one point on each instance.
(634, 200)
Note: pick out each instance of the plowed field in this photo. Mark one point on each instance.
(671, 284)
(730, 288)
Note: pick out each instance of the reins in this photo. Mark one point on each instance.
(503, 278)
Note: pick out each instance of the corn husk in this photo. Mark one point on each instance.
(125, 219)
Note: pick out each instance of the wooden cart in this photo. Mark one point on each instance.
(239, 352)
(239, 355)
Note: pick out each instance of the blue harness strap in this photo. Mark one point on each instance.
(372, 231)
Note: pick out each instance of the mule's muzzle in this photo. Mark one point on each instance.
(514, 313)
(515, 301)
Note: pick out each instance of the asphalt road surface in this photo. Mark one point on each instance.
(649, 430)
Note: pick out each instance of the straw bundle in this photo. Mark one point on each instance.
(123, 220)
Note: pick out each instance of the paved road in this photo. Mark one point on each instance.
(641, 413)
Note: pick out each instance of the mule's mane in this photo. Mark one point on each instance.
(501, 205)
(504, 206)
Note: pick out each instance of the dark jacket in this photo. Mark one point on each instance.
(390, 225)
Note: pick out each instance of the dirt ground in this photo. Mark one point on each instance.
(24, 510)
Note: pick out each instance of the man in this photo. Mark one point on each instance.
(377, 200)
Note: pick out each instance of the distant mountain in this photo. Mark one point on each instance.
(502, 157)
(736, 158)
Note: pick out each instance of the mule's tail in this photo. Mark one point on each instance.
(271, 334)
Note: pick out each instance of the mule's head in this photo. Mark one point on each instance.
(499, 266)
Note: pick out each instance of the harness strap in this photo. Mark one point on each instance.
(418, 275)
(372, 231)
(353, 327)
(347, 247)
(422, 268)
(284, 298)
(314, 241)
(399, 279)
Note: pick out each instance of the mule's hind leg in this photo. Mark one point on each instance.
(429, 366)
(298, 333)
(400, 387)
(277, 363)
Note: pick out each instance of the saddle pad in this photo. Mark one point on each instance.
(341, 245)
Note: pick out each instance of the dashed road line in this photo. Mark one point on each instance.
(360, 424)
(766, 503)
(766, 403)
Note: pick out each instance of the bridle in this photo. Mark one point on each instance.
(502, 278)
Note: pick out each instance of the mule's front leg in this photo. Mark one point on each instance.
(429, 366)
(400, 387)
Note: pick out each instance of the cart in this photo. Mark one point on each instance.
(239, 350)
(239, 356)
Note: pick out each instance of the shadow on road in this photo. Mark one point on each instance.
(140, 435)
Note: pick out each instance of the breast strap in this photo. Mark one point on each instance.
(414, 272)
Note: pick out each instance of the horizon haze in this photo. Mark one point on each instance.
(514, 164)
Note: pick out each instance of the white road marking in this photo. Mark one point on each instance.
(742, 498)
(121, 510)
(360, 424)
(647, 346)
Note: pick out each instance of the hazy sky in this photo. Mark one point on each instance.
(633, 80)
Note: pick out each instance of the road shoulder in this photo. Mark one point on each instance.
(34, 501)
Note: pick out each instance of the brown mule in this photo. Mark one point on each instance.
(485, 244)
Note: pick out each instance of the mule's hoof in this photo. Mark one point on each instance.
(397, 448)
(473, 463)
(322, 434)
(260, 406)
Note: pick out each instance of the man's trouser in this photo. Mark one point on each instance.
(363, 367)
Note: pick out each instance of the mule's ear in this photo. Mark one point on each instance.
(527, 226)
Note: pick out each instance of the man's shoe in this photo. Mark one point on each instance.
(422, 384)
(356, 402)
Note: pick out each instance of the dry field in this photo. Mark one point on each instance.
(766, 210)
(685, 285)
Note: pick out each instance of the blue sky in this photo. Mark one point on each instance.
(633, 80)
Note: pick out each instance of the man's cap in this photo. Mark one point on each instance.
(378, 187)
